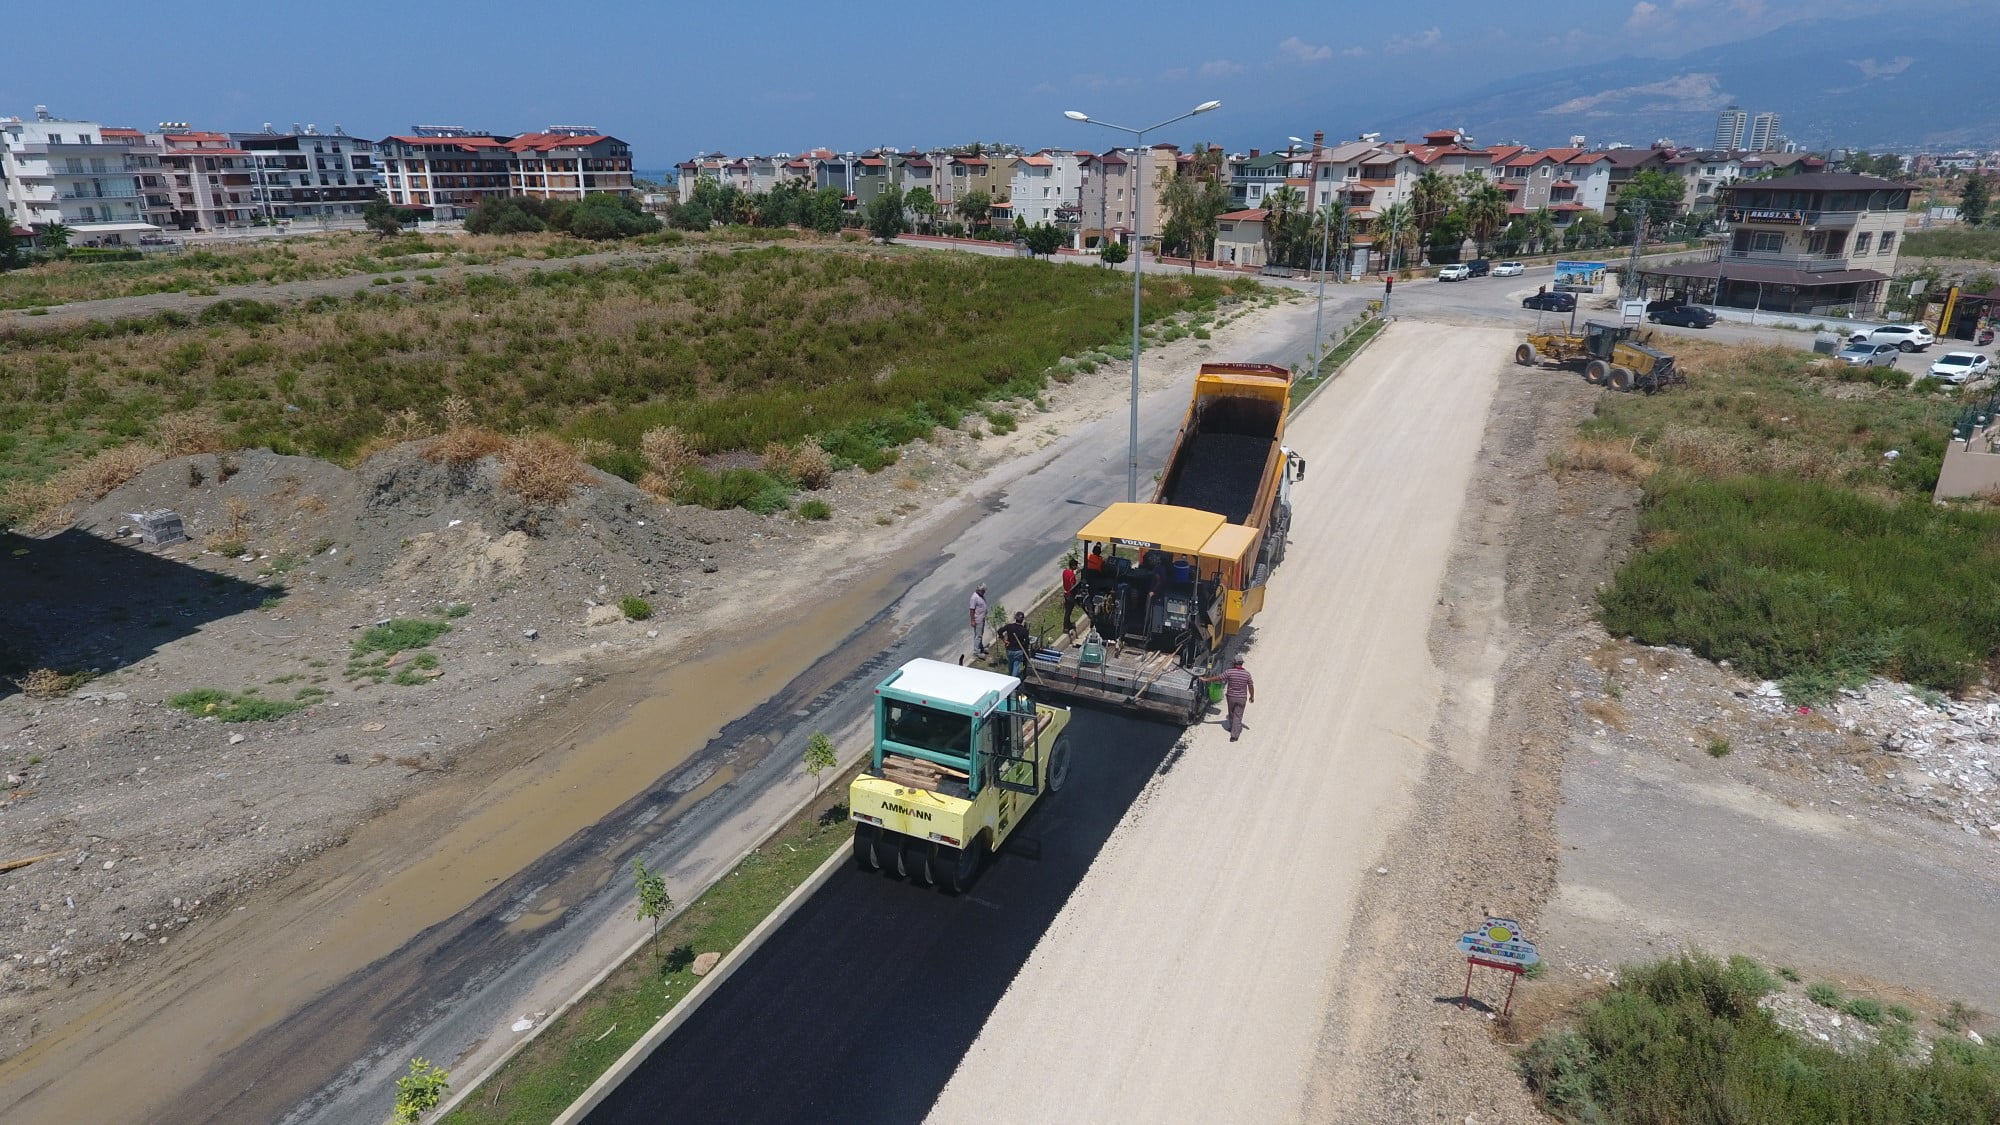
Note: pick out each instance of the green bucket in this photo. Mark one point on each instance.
(1215, 691)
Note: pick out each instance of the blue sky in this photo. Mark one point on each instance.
(784, 76)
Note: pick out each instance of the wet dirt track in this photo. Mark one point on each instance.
(873, 991)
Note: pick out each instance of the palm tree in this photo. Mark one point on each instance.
(1280, 206)
(53, 236)
(1485, 213)
(1430, 200)
(1542, 228)
(1398, 222)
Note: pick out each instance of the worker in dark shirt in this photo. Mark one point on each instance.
(1014, 635)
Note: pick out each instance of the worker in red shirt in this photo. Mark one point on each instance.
(1069, 581)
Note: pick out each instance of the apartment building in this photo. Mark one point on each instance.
(445, 169)
(1764, 135)
(1108, 200)
(1732, 128)
(448, 169)
(1810, 243)
(211, 181)
(305, 174)
(1047, 188)
(59, 171)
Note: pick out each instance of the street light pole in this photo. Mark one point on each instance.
(1325, 229)
(1138, 264)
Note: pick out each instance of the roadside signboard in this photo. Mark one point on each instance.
(1631, 312)
(1499, 940)
(1579, 277)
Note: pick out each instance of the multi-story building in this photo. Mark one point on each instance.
(1732, 127)
(569, 162)
(1764, 136)
(1811, 243)
(142, 157)
(305, 174)
(210, 180)
(1047, 189)
(449, 169)
(445, 169)
(58, 171)
(1109, 203)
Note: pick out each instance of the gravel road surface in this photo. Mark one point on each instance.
(1188, 975)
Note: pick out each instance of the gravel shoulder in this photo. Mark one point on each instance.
(1187, 975)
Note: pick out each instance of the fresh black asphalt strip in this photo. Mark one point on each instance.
(860, 1007)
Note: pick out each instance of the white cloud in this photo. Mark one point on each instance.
(1298, 50)
(1431, 37)
(1646, 16)
(1221, 68)
(1355, 52)
(1869, 68)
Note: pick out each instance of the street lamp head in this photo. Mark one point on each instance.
(1073, 115)
(1206, 106)
(1296, 140)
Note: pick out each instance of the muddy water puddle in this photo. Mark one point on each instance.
(244, 973)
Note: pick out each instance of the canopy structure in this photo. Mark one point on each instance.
(113, 228)
(1175, 530)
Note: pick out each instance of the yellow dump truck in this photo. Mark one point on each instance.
(1182, 575)
(960, 756)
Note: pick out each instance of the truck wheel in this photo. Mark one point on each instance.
(1526, 356)
(920, 861)
(867, 838)
(1058, 772)
(1596, 372)
(965, 871)
(1621, 379)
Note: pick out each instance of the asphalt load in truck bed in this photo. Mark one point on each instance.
(1220, 473)
(860, 1006)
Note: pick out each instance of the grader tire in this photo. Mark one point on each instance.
(1596, 372)
(1526, 356)
(1621, 379)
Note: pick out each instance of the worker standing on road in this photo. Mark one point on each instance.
(1014, 635)
(1069, 581)
(976, 610)
(1238, 690)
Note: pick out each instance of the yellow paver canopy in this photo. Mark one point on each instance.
(1161, 527)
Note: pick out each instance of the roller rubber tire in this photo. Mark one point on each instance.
(965, 871)
(1058, 772)
(1621, 379)
(920, 862)
(1526, 356)
(865, 837)
(1596, 372)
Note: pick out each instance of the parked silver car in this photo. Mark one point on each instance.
(1868, 355)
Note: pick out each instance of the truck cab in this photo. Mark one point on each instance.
(960, 755)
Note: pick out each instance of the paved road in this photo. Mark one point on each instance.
(860, 1007)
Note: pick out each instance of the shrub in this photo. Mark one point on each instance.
(1002, 421)
(635, 609)
(177, 435)
(806, 464)
(734, 488)
(1866, 1010)
(399, 635)
(463, 445)
(815, 510)
(668, 456)
(542, 469)
(47, 683)
(242, 707)
(1824, 994)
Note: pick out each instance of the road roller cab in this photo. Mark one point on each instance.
(960, 755)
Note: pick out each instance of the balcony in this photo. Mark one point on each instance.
(1808, 263)
(106, 193)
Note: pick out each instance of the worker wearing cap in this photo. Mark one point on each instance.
(1014, 635)
(976, 610)
(1238, 689)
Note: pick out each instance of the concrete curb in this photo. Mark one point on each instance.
(671, 1022)
(1327, 379)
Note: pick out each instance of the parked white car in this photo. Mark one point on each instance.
(1508, 269)
(1909, 337)
(1960, 367)
(1455, 273)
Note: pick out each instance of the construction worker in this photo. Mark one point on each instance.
(1070, 578)
(976, 610)
(1014, 635)
(1238, 690)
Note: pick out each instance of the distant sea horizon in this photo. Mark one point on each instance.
(658, 176)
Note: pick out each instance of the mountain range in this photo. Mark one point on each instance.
(1874, 83)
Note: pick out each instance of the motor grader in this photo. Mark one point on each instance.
(1608, 354)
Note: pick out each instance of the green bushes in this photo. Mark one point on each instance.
(634, 608)
(1684, 1042)
(399, 634)
(1953, 242)
(242, 707)
(1810, 583)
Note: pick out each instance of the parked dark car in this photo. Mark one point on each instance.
(1478, 267)
(1664, 303)
(1550, 302)
(1687, 316)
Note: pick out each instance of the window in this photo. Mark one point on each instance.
(1545, 171)
(1888, 242)
(1769, 242)
(1225, 227)
(1861, 242)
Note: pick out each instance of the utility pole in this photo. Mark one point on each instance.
(1638, 236)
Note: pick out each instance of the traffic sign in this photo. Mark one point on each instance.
(1499, 939)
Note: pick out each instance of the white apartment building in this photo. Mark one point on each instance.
(1732, 128)
(306, 174)
(1764, 133)
(57, 171)
(1047, 189)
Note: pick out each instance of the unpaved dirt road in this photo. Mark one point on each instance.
(1189, 975)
